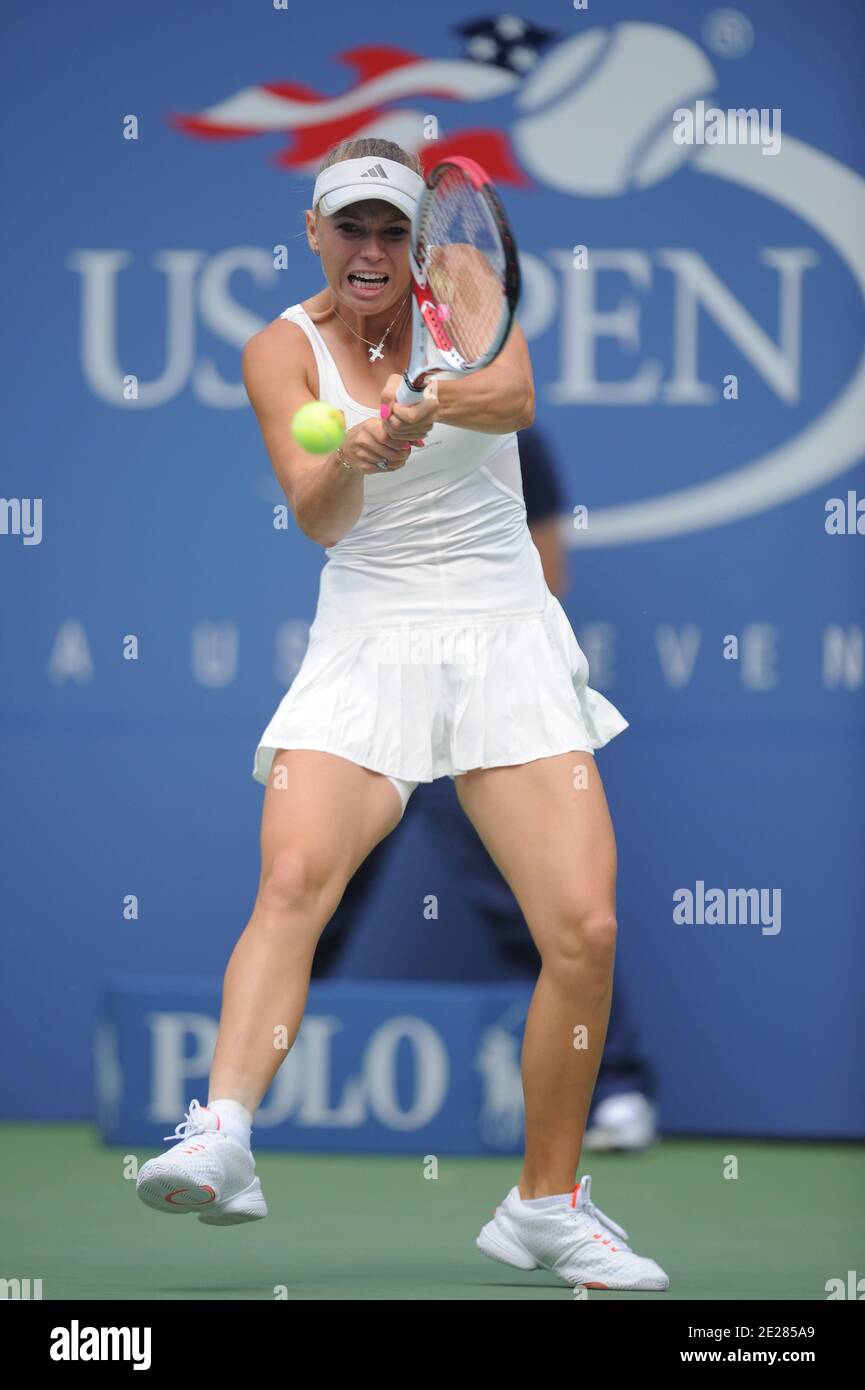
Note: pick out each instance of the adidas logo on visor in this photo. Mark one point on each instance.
(375, 172)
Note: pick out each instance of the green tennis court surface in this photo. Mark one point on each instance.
(370, 1227)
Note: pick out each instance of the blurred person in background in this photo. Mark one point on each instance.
(623, 1113)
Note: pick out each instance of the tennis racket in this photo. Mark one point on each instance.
(465, 276)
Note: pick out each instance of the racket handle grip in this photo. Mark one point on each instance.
(405, 395)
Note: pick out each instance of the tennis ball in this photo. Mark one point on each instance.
(318, 427)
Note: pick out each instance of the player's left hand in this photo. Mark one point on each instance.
(409, 422)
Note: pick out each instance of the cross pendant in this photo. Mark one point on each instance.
(375, 353)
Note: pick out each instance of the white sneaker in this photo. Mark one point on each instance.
(573, 1239)
(625, 1123)
(211, 1174)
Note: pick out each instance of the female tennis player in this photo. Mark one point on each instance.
(437, 650)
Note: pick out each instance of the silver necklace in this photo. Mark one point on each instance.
(375, 349)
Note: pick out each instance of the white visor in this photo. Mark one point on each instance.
(353, 180)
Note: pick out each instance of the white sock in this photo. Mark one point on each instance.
(234, 1118)
(546, 1201)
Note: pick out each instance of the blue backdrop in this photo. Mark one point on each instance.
(700, 373)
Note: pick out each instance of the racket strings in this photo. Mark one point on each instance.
(466, 266)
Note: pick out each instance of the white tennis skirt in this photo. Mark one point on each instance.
(428, 700)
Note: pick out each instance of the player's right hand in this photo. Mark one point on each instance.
(367, 444)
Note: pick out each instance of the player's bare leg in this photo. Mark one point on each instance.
(322, 816)
(552, 839)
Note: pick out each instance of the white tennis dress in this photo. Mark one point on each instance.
(437, 646)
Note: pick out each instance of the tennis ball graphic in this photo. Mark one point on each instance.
(318, 427)
(597, 114)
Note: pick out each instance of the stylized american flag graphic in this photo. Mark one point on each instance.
(498, 53)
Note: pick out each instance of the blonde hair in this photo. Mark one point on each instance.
(368, 145)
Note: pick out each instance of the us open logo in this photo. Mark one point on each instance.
(623, 84)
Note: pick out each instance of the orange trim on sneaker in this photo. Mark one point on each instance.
(596, 1235)
(574, 1196)
(205, 1187)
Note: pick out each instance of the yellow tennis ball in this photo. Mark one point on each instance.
(318, 427)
